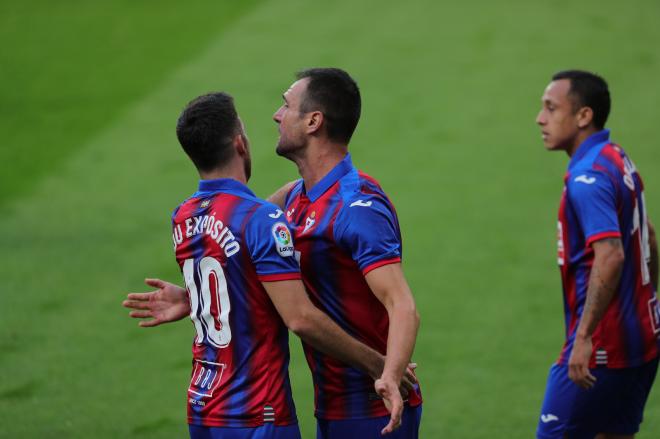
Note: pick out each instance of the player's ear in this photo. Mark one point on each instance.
(314, 121)
(240, 144)
(585, 116)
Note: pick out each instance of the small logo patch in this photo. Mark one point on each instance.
(205, 203)
(309, 222)
(585, 179)
(278, 213)
(283, 240)
(360, 203)
(549, 418)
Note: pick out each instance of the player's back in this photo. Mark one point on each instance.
(604, 198)
(227, 242)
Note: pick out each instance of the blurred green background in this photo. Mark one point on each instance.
(91, 169)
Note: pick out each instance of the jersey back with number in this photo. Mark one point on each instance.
(227, 242)
(344, 227)
(604, 198)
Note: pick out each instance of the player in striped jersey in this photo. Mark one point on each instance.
(349, 245)
(609, 270)
(243, 289)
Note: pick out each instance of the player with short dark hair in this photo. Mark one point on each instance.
(334, 93)
(243, 284)
(588, 90)
(608, 258)
(348, 243)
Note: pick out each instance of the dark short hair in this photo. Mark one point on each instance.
(588, 90)
(334, 93)
(206, 129)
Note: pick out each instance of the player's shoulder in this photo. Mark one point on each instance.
(362, 199)
(263, 210)
(186, 207)
(358, 185)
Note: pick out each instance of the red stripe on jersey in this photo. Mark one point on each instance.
(377, 264)
(279, 277)
(604, 235)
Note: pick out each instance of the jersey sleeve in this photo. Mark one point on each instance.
(368, 230)
(270, 244)
(593, 196)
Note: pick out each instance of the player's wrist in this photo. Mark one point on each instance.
(582, 335)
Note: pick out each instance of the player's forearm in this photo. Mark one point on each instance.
(319, 331)
(603, 284)
(653, 261)
(404, 322)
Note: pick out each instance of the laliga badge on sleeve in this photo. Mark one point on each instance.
(283, 240)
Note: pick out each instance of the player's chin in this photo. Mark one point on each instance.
(550, 145)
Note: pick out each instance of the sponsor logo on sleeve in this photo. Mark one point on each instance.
(278, 213)
(283, 240)
(361, 203)
(548, 418)
(584, 179)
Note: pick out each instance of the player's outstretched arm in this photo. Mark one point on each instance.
(653, 262)
(603, 283)
(390, 287)
(279, 196)
(168, 303)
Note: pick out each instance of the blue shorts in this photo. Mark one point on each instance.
(266, 431)
(614, 405)
(370, 428)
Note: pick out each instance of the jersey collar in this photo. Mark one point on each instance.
(342, 168)
(595, 139)
(229, 185)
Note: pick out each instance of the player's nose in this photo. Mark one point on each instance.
(540, 118)
(277, 116)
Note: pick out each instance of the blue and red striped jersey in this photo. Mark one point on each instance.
(344, 227)
(604, 197)
(227, 241)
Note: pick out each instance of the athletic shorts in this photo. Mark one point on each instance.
(266, 431)
(370, 428)
(614, 405)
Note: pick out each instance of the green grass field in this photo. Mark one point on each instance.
(91, 169)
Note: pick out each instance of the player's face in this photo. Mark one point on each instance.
(558, 119)
(291, 121)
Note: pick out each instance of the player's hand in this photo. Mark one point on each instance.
(578, 363)
(388, 389)
(168, 303)
(408, 380)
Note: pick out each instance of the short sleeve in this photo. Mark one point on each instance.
(270, 244)
(368, 229)
(593, 197)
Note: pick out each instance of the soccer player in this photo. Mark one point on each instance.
(607, 255)
(237, 257)
(348, 242)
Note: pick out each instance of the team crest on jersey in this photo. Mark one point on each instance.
(205, 203)
(309, 222)
(283, 240)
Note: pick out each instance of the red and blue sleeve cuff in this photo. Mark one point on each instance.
(380, 263)
(602, 235)
(276, 277)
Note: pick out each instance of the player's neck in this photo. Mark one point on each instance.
(233, 172)
(318, 161)
(580, 138)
